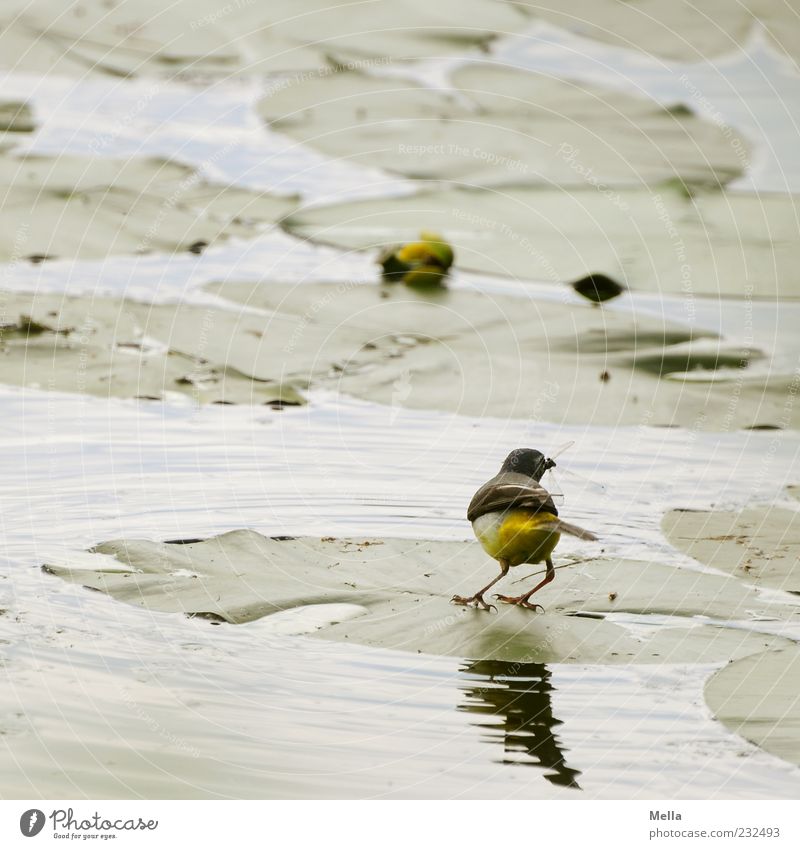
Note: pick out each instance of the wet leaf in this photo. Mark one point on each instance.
(404, 587)
(756, 697)
(477, 354)
(688, 32)
(207, 38)
(759, 545)
(73, 207)
(126, 349)
(653, 240)
(502, 126)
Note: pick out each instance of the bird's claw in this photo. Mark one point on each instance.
(477, 601)
(519, 601)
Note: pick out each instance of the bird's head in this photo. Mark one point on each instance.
(527, 461)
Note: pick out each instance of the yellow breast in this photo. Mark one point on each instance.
(517, 536)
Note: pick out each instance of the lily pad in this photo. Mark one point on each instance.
(404, 587)
(209, 38)
(692, 32)
(660, 240)
(127, 349)
(758, 698)
(758, 544)
(459, 351)
(501, 125)
(70, 207)
(475, 354)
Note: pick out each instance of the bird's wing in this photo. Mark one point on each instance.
(507, 490)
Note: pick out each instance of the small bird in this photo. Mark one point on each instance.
(515, 520)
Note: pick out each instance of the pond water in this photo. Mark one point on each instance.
(102, 699)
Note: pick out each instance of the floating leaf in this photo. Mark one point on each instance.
(111, 348)
(656, 240)
(501, 126)
(202, 38)
(404, 587)
(90, 208)
(756, 697)
(758, 544)
(689, 32)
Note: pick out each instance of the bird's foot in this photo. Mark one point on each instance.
(520, 601)
(477, 601)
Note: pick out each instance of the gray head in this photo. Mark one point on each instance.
(527, 461)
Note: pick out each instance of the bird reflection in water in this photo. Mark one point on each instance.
(515, 700)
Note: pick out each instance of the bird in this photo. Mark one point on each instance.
(515, 520)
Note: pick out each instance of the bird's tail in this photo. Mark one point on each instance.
(573, 530)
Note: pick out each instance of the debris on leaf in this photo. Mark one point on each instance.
(598, 288)
(16, 117)
(422, 264)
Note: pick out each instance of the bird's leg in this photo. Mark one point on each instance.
(477, 599)
(522, 600)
